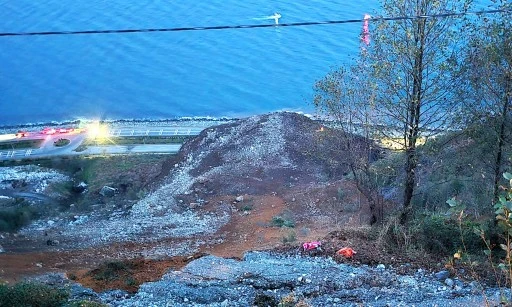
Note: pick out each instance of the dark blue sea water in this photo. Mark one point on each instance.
(166, 75)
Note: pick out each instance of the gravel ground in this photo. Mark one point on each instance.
(38, 177)
(214, 281)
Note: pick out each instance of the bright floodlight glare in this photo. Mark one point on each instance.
(97, 131)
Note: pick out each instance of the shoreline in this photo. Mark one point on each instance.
(180, 121)
(196, 121)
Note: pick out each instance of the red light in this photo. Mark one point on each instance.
(49, 131)
(21, 134)
(65, 130)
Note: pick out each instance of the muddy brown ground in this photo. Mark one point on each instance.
(250, 228)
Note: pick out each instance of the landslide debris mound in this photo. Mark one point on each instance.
(262, 154)
(281, 154)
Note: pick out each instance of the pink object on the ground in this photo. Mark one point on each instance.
(311, 245)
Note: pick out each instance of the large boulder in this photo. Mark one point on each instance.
(107, 191)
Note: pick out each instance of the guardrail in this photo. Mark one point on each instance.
(20, 154)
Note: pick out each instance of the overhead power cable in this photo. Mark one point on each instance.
(251, 26)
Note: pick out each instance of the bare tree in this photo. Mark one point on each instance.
(343, 96)
(410, 65)
(402, 86)
(487, 67)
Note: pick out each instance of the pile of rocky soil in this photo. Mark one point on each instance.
(277, 151)
(267, 279)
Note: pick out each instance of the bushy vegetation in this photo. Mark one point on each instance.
(12, 219)
(459, 164)
(111, 270)
(496, 238)
(282, 221)
(117, 273)
(454, 165)
(25, 144)
(32, 294)
(85, 303)
(440, 235)
(61, 142)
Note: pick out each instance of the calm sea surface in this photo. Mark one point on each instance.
(167, 75)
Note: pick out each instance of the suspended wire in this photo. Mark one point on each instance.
(251, 26)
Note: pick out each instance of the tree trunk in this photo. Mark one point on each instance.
(501, 136)
(362, 187)
(413, 120)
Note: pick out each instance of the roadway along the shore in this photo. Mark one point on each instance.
(48, 149)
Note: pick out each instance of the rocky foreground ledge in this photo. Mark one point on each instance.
(265, 279)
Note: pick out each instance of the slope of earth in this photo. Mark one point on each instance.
(248, 185)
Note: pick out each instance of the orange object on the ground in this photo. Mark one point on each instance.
(346, 252)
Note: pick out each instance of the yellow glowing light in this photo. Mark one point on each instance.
(97, 131)
(397, 143)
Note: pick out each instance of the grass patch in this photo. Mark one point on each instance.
(100, 171)
(80, 148)
(62, 188)
(282, 221)
(264, 300)
(25, 144)
(61, 142)
(110, 271)
(32, 294)
(12, 219)
(127, 140)
(435, 233)
(85, 303)
(247, 207)
(116, 275)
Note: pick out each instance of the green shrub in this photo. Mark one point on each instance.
(12, 219)
(433, 233)
(110, 271)
(32, 294)
(85, 303)
(496, 236)
(441, 235)
(129, 281)
(61, 142)
(247, 207)
(72, 276)
(280, 221)
(264, 300)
